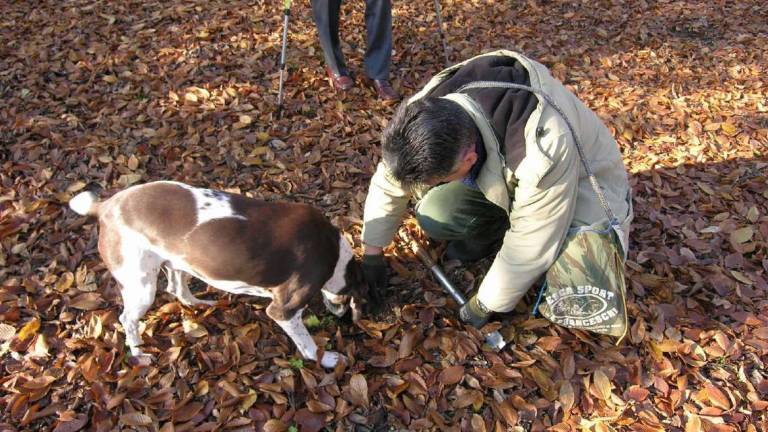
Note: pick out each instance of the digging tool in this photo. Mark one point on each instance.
(439, 14)
(280, 91)
(494, 339)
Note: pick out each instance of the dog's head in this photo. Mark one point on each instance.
(354, 295)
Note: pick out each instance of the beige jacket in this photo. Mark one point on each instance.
(546, 195)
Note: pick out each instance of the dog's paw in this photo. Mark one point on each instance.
(331, 359)
(142, 360)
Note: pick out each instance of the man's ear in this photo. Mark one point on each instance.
(470, 158)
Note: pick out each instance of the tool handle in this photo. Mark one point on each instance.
(422, 254)
(494, 339)
(438, 272)
(447, 285)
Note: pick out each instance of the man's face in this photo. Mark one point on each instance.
(467, 160)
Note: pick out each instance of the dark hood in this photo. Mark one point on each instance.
(507, 109)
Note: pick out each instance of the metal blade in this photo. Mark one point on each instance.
(495, 340)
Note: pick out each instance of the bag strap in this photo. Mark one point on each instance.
(592, 179)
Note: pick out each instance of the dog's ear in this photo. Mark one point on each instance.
(356, 287)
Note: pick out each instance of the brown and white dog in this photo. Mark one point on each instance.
(285, 251)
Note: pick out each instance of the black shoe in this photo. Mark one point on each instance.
(468, 251)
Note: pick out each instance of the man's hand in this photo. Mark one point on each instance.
(475, 313)
(375, 273)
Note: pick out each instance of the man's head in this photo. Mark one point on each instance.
(430, 141)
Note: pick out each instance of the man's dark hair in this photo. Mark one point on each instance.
(424, 140)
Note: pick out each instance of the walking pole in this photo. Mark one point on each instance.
(280, 91)
(442, 35)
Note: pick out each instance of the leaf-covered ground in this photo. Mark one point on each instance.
(131, 91)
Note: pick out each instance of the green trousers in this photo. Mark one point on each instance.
(455, 211)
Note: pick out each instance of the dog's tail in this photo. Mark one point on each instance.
(85, 203)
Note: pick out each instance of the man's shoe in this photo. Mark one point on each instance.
(385, 90)
(340, 81)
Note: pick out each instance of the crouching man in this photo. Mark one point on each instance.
(494, 169)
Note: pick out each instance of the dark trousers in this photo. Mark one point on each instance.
(378, 26)
(455, 211)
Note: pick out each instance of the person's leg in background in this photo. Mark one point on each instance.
(473, 225)
(378, 53)
(326, 13)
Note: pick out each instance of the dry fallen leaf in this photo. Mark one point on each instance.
(359, 390)
(135, 419)
(187, 411)
(508, 413)
(308, 421)
(717, 397)
(637, 393)
(7, 332)
(39, 383)
(274, 425)
(193, 329)
(603, 384)
(567, 398)
(87, 301)
(74, 425)
(451, 375)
